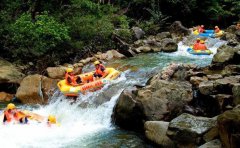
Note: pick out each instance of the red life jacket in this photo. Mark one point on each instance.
(100, 70)
(70, 79)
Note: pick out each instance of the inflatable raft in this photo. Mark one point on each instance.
(199, 52)
(209, 33)
(88, 83)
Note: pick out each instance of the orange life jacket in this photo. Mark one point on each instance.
(70, 79)
(100, 70)
(199, 46)
(217, 30)
(12, 116)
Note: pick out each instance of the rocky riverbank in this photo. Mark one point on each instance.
(37, 88)
(188, 106)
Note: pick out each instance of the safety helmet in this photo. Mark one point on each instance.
(216, 26)
(69, 70)
(202, 25)
(96, 62)
(202, 41)
(52, 119)
(11, 106)
(198, 39)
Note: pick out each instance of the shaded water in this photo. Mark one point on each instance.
(87, 122)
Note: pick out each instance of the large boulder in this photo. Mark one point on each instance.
(138, 32)
(223, 85)
(163, 100)
(178, 29)
(160, 100)
(227, 55)
(36, 89)
(162, 35)
(9, 73)
(127, 113)
(229, 128)
(155, 131)
(187, 129)
(113, 54)
(56, 72)
(169, 45)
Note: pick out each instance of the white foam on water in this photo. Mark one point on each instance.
(76, 122)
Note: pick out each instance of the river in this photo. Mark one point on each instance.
(87, 121)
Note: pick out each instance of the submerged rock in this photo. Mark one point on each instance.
(156, 132)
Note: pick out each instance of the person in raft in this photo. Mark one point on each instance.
(100, 70)
(52, 121)
(201, 29)
(11, 114)
(199, 45)
(71, 79)
(216, 29)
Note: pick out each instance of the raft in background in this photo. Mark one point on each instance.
(69, 90)
(209, 33)
(199, 52)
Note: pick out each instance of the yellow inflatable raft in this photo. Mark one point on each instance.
(88, 83)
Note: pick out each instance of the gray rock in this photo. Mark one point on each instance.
(143, 49)
(236, 94)
(212, 144)
(163, 99)
(214, 76)
(178, 29)
(156, 132)
(162, 35)
(9, 73)
(206, 88)
(189, 129)
(56, 72)
(29, 90)
(228, 126)
(127, 113)
(226, 55)
(195, 81)
(138, 32)
(169, 45)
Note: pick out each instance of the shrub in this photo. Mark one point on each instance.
(34, 38)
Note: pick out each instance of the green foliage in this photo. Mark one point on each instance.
(29, 38)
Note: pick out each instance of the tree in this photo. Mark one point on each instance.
(34, 38)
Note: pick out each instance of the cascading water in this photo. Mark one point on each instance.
(86, 122)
